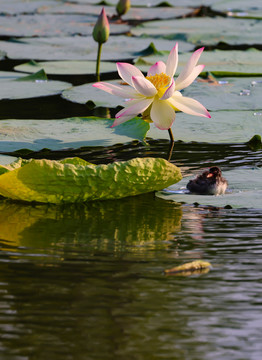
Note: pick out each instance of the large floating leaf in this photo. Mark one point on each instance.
(83, 93)
(245, 191)
(149, 3)
(204, 31)
(134, 13)
(221, 63)
(67, 133)
(223, 127)
(234, 93)
(67, 67)
(53, 25)
(32, 86)
(15, 7)
(8, 75)
(84, 48)
(240, 8)
(57, 182)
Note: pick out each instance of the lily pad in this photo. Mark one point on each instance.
(67, 133)
(245, 191)
(83, 48)
(134, 13)
(33, 86)
(220, 63)
(149, 3)
(204, 31)
(223, 127)
(57, 182)
(228, 93)
(83, 93)
(67, 67)
(240, 8)
(53, 25)
(8, 75)
(15, 7)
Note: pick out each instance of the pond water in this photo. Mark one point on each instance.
(87, 281)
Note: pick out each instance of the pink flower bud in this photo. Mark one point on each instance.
(101, 30)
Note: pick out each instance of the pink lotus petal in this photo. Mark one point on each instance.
(172, 61)
(188, 105)
(158, 68)
(189, 66)
(122, 91)
(144, 86)
(137, 107)
(126, 71)
(192, 76)
(170, 91)
(162, 114)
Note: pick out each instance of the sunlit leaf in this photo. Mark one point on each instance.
(55, 182)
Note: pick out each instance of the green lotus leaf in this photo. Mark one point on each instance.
(219, 62)
(34, 135)
(223, 127)
(66, 67)
(204, 32)
(239, 8)
(56, 182)
(85, 48)
(27, 25)
(134, 13)
(30, 86)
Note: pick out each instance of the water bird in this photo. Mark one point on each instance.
(210, 182)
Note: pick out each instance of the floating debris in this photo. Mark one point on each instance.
(194, 267)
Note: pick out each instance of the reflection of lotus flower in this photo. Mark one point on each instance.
(157, 95)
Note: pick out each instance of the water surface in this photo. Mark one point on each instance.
(87, 281)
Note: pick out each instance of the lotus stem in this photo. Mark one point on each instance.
(99, 50)
(171, 146)
(171, 135)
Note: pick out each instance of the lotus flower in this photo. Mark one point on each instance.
(157, 96)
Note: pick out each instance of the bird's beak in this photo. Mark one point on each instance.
(209, 175)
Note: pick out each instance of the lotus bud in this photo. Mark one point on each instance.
(101, 29)
(122, 7)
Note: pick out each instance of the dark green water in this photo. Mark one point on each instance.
(87, 281)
